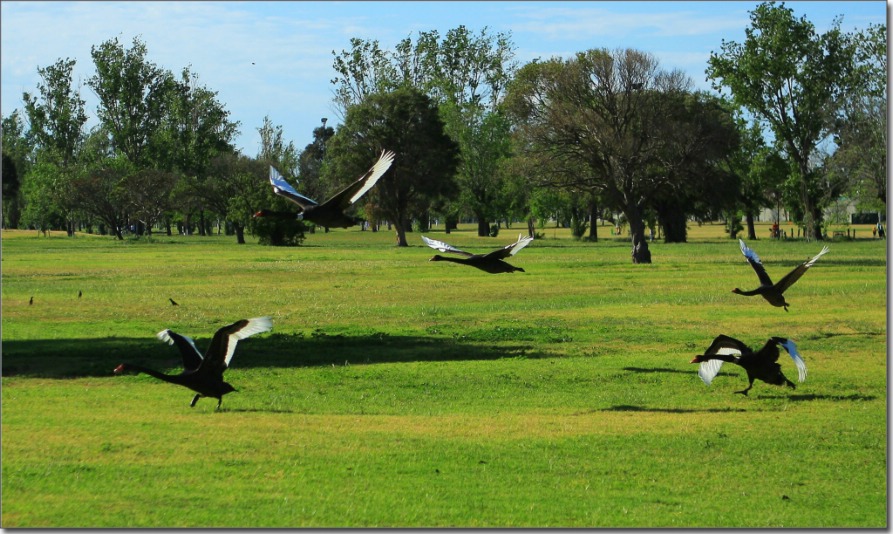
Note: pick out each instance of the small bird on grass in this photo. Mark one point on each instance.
(31, 301)
(760, 365)
(773, 293)
(204, 374)
(173, 302)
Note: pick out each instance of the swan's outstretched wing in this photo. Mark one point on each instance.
(445, 247)
(511, 250)
(285, 190)
(223, 346)
(357, 189)
(755, 262)
(798, 271)
(791, 348)
(192, 358)
(722, 345)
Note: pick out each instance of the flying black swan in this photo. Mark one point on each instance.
(762, 365)
(204, 375)
(329, 214)
(491, 262)
(773, 293)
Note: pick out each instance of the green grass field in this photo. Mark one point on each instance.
(398, 392)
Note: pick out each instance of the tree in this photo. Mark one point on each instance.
(310, 163)
(699, 133)
(466, 75)
(17, 157)
(101, 191)
(790, 76)
(407, 122)
(56, 114)
(134, 98)
(861, 133)
(148, 195)
(590, 120)
(57, 119)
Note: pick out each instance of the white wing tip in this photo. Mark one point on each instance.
(165, 336)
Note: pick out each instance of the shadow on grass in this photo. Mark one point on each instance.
(631, 408)
(660, 370)
(72, 358)
(813, 397)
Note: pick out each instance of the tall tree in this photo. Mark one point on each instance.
(57, 113)
(407, 122)
(311, 161)
(134, 97)
(861, 134)
(598, 111)
(57, 116)
(465, 73)
(790, 76)
(18, 150)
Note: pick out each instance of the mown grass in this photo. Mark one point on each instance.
(397, 392)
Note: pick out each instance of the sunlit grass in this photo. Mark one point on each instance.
(398, 392)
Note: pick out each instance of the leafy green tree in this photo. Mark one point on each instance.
(466, 74)
(591, 120)
(100, 189)
(18, 150)
(57, 117)
(196, 128)
(57, 113)
(690, 180)
(41, 208)
(134, 99)
(311, 161)
(861, 133)
(407, 122)
(790, 76)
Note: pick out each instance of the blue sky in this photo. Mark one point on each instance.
(275, 58)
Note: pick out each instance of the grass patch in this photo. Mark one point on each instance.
(396, 392)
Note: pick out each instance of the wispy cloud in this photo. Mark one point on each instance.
(657, 19)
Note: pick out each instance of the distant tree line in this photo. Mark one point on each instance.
(798, 120)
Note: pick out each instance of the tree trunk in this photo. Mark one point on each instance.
(240, 233)
(809, 220)
(640, 252)
(531, 227)
(483, 226)
(400, 230)
(593, 221)
(751, 230)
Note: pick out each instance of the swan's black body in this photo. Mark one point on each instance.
(329, 214)
(773, 293)
(759, 365)
(204, 374)
(492, 262)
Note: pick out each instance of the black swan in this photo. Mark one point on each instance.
(773, 293)
(329, 214)
(204, 375)
(762, 365)
(491, 262)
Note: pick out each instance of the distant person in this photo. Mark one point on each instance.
(880, 230)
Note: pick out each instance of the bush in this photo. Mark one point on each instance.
(278, 232)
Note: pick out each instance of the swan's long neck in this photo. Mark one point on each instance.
(746, 293)
(729, 358)
(438, 257)
(173, 379)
